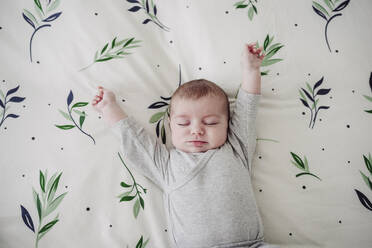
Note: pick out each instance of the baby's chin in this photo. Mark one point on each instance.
(191, 149)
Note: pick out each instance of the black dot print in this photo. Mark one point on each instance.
(165, 230)
(260, 190)
(187, 6)
(3, 81)
(226, 12)
(320, 119)
(353, 91)
(38, 62)
(336, 51)
(296, 25)
(224, 62)
(322, 149)
(304, 187)
(24, 106)
(272, 89)
(66, 187)
(259, 157)
(99, 117)
(33, 138)
(340, 221)
(5, 128)
(171, 41)
(48, 104)
(200, 68)
(290, 234)
(277, 73)
(88, 209)
(158, 65)
(303, 113)
(123, 100)
(110, 225)
(61, 148)
(330, 97)
(96, 14)
(23, 175)
(348, 162)
(348, 126)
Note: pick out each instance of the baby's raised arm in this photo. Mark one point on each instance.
(250, 62)
(105, 103)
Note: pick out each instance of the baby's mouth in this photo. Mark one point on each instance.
(197, 143)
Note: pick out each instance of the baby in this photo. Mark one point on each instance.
(205, 178)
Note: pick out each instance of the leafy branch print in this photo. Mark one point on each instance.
(4, 101)
(362, 198)
(142, 4)
(160, 117)
(46, 203)
(269, 51)
(369, 98)
(332, 7)
(302, 165)
(247, 4)
(128, 195)
(311, 96)
(43, 16)
(140, 243)
(114, 50)
(69, 117)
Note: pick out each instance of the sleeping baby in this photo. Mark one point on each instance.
(205, 178)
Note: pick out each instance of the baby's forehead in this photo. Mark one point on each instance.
(206, 106)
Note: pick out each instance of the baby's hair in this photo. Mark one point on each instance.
(198, 88)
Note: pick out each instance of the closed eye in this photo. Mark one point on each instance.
(181, 124)
(211, 124)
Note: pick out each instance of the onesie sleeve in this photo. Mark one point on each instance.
(242, 127)
(142, 151)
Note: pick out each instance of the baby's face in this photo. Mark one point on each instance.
(198, 125)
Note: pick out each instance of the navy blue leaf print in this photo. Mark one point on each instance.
(28, 20)
(168, 98)
(27, 218)
(318, 83)
(133, 1)
(155, 10)
(17, 99)
(2, 104)
(70, 98)
(12, 116)
(146, 21)
(11, 91)
(52, 17)
(319, 13)
(157, 128)
(323, 92)
(370, 81)
(307, 94)
(134, 9)
(157, 105)
(304, 102)
(364, 200)
(341, 6)
(147, 6)
(323, 107)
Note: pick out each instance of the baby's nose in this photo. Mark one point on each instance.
(197, 129)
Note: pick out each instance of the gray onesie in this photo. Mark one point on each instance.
(208, 196)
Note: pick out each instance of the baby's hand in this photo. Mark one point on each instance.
(251, 58)
(103, 99)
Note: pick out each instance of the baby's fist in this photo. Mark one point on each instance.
(103, 99)
(251, 57)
